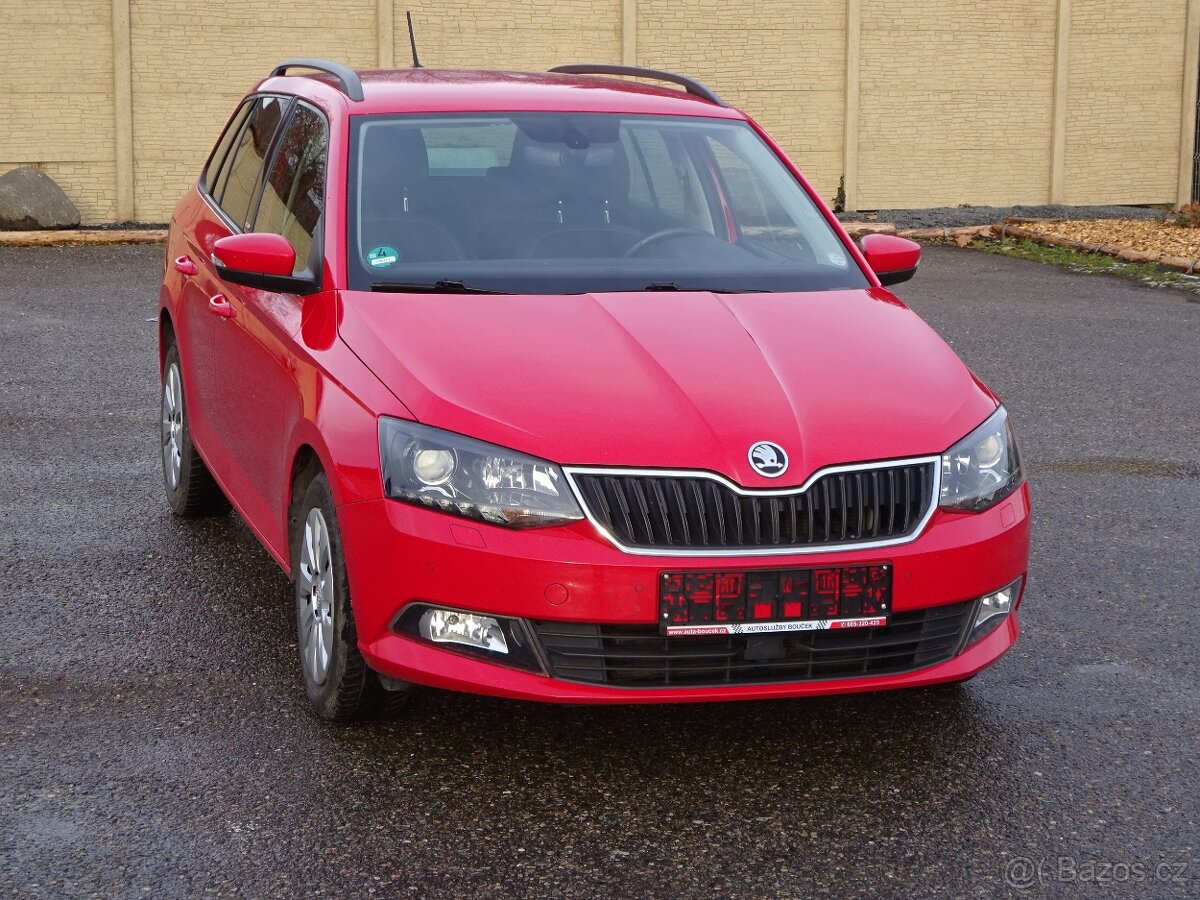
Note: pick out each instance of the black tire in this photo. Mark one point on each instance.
(347, 688)
(195, 493)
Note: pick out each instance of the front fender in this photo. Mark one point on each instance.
(341, 401)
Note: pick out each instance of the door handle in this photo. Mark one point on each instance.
(218, 305)
(186, 266)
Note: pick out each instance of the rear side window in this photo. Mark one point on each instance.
(241, 182)
(220, 154)
(294, 194)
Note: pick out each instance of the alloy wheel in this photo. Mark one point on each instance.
(172, 426)
(314, 606)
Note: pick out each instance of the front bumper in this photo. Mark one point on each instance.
(399, 554)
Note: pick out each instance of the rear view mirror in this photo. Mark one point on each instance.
(892, 259)
(261, 260)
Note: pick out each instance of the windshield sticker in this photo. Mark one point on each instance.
(382, 257)
(837, 258)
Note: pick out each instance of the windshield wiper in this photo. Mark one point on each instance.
(442, 286)
(672, 286)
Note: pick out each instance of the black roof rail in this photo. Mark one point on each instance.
(691, 85)
(347, 78)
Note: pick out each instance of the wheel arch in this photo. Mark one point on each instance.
(306, 465)
(166, 335)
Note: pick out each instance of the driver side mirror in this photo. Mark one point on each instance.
(261, 260)
(892, 259)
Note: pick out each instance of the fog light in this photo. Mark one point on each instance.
(449, 626)
(992, 608)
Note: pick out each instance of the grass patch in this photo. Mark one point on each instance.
(1148, 273)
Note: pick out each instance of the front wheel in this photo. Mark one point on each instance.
(337, 680)
(191, 489)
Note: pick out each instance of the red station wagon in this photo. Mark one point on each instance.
(564, 387)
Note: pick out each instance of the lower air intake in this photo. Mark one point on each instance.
(638, 656)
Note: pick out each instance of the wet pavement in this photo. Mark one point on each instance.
(154, 740)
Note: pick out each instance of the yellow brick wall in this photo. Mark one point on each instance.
(955, 100)
(189, 70)
(56, 97)
(530, 35)
(955, 107)
(782, 61)
(1123, 103)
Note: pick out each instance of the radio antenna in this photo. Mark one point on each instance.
(412, 40)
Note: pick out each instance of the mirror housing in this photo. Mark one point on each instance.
(893, 259)
(261, 260)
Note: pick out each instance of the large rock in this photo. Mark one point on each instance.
(29, 199)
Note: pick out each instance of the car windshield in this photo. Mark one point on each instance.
(550, 203)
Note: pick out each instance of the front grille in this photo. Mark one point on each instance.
(659, 511)
(638, 656)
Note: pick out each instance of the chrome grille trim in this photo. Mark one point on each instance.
(934, 462)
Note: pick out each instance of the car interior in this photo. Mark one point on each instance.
(574, 193)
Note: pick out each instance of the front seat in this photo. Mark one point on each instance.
(395, 186)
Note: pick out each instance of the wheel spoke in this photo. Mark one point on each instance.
(323, 651)
(309, 550)
(307, 623)
(322, 542)
(327, 597)
(173, 464)
(314, 670)
(176, 390)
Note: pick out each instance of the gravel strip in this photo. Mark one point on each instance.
(962, 216)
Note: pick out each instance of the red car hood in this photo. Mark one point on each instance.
(679, 380)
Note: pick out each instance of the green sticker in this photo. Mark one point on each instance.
(382, 257)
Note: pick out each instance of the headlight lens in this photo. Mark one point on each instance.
(465, 477)
(983, 468)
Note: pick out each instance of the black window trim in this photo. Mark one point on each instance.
(316, 253)
(309, 280)
(214, 202)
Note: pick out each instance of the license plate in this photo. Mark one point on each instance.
(774, 600)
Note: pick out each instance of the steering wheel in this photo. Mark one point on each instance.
(663, 235)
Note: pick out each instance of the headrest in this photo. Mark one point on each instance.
(394, 154)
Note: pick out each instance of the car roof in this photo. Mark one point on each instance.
(475, 90)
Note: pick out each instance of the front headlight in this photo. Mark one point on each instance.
(983, 468)
(465, 477)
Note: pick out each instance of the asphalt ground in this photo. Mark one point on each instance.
(154, 740)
